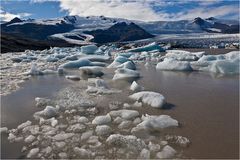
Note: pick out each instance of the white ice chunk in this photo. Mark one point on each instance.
(136, 87)
(154, 123)
(167, 152)
(128, 65)
(153, 99)
(76, 64)
(118, 61)
(29, 139)
(100, 120)
(145, 154)
(123, 73)
(34, 70)
(86, 135)
(33, 152)
(25, 124)
(174, 65)
(125, 114)
(103, 130)
(48, 112)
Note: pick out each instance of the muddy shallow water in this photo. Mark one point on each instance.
(207, 106)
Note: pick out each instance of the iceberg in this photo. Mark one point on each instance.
(128, 65)
(147, 48)
(153, 99)
(174, 65)
(124, 73)
(89, 49)
(118, 61)
(154, 123)
(76, 64)
(225, 66)
(136, 87)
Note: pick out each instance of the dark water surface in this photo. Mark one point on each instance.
(206, 106)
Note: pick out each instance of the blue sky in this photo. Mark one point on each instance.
(146, 10)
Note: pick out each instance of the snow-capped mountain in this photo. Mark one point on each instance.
(81, 30)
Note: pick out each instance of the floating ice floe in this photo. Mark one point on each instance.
(76, 64)
(153, 99)
(125, 114)
(154, 123)
(118, 61)
(167, 152)
(149, 47)
(123, 73)
(221, 64)
(136, 87)
(73, 77)
(89, 49)
(174, 65)
(47, 113)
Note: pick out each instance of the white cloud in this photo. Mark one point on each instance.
(143, 9)
(6, 16)
(136, 10)
(208, 12)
